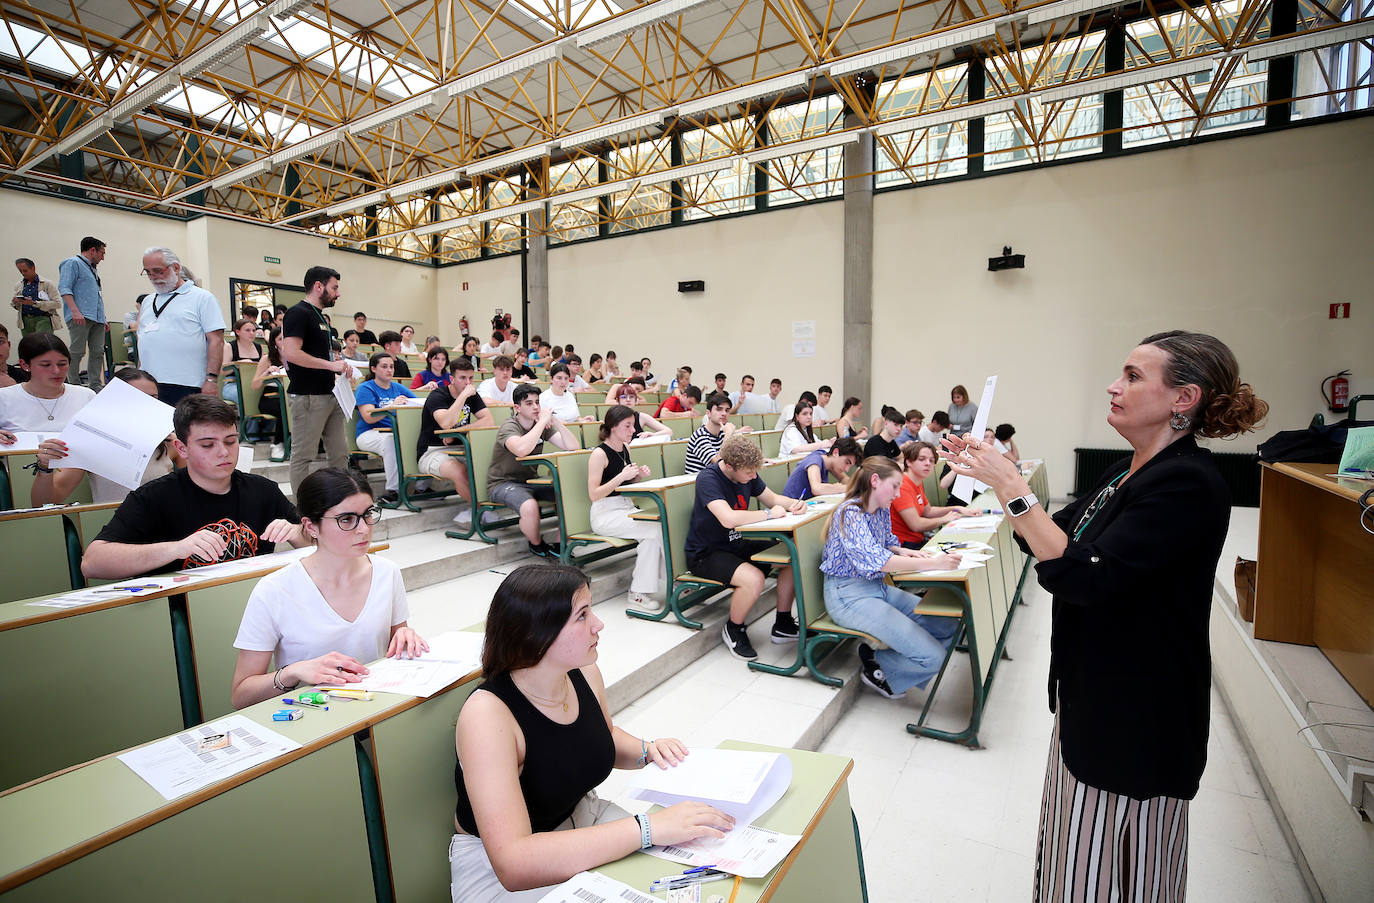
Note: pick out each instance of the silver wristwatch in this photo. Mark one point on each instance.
(1021, 504)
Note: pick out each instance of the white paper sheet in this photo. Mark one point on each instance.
(247, 565)
(245, 464)
(742, 783)
(965, 564)
(408, 677)
(965, 486)
(458, 647)
(343, 393)
(748, 851)
(175, 766)
(984, 523)
(26, 440)
(662, 482)
(116, 434)
(125, 589)
(594, 887)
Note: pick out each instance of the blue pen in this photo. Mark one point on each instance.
(700, 868)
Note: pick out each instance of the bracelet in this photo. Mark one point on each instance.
(214, 376)
(37, 468)
(646, 840)
(276, 680)
(643, 753)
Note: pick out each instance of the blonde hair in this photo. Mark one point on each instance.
(860, 486)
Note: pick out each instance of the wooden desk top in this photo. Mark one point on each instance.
(1316, 475)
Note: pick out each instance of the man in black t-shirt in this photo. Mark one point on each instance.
(885, 443)
(715, 550)
(312, 367)
(391, 344)
(446, 408)
(365, 335)
(207, 513)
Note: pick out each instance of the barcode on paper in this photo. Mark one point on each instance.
(635, 896)
(678, 851)
(582, 893)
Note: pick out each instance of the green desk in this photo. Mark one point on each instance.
(826, 866)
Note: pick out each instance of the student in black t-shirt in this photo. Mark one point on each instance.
(522, 370)
(207, 513)
(312, 367)
(716, 551)
(885, 443)
(446, 408)
(365, 335)
(391, 344)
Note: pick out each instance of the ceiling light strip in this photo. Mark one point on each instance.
(633, 20)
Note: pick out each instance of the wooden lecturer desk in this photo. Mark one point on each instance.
(1313, 584)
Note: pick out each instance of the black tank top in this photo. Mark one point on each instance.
(616, 461)
(562, 761)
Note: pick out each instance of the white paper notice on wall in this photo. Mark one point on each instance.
(966, 487)
(803, 347)
(803, 329)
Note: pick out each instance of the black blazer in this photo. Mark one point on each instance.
(1130, 662)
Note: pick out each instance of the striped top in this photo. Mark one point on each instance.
(702, 448)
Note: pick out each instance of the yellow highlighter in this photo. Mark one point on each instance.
(350, 693)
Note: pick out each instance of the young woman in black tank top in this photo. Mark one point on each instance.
(533, 742)
(608, 468)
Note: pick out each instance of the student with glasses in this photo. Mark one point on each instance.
(320, 619)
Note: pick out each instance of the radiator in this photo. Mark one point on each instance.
(1241, 472)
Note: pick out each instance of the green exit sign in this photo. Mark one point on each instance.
(271, 260)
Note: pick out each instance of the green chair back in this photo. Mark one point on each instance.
(651, 456)
(770, 441)
(41, 538)
(674, 458)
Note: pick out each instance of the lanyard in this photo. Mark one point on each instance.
(92, 269)
(157, 311)
(1098, 504)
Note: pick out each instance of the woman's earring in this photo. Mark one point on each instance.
(1179, 421)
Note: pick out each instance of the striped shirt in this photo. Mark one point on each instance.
(702, 448)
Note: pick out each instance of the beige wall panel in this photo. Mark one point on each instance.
(490, 284)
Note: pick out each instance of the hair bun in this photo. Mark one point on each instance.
(1231, 414)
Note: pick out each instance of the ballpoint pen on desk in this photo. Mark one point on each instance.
(672, 882)
(134, 588)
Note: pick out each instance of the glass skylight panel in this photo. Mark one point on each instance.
(42, 50)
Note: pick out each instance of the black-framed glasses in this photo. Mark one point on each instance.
(348, 522)
(156, 272)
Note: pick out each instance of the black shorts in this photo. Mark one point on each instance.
(720, 564)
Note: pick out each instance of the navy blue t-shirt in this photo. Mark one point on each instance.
(705, 532)
(799, 483)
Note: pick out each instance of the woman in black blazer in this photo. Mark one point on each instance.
(1131, 567)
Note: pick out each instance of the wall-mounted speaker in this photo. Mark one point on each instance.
(692, 285)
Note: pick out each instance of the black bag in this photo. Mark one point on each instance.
(1319, 443)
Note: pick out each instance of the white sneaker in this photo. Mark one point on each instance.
(463, 518)
(278, 451)
(642, 602)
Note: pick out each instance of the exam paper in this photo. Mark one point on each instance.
(125, 589)
(986, 523)
(343, 393)
(594, 887)
(116, 434)
(176, 766)
(965, 486)
(458, 647)
(26, 440)
(248, 565)
(748, 851)
(408, 677)
(741, 783)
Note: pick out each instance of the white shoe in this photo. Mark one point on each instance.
(278, 451)
(463, 518)
(642, 602)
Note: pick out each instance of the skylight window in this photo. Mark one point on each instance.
(42, 50)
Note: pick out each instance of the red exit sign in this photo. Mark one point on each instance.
(1339, 311)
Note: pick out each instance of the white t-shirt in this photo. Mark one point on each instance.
(21, 411)
(791, 438)
(488, 349)
(287, 616)
(1001, 449)
(755, 403)
(578, 384)
(785, 416)
(564, 407)
(489, 392)
(409, 349)
(931, 436)
(819, 414)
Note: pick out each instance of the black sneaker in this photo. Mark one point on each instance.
(539, 551)
(554, 549)
(785, 630)
(390, 495)
(872, 675)
(737, 640)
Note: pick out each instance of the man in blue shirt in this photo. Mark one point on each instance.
(36, 299)
(180, 331)
(377, 392)
(79, 284)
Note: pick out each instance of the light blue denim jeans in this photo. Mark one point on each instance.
(916, 643)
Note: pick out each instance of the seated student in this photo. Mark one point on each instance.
(716, 551)
(207, 513)
(510, 345)
(850, 421)
(1002, 441)
(390, 340)
(52, 486)
(877, 425)
(499, 388)
(377, 392)
(430, 342)
(682, 404)
(492, 348)
(556, 355)
(912, 430)
(596, 369)
(703, 447)
(681, 379)
(811, 475)
(470, 347)
(270, 366)
(621, 393)
(720, 387)
(885, 443)
(791, 408)
(798, 436)
(408, 340)
(608, 468)
(435, 372)
(321, 618)
(574, 363)
(557, 398)
(764, 404)
(913, 517)
(860, 550)
(522, 371)
(934, 428)
(351, 351)
(535, 739)
(627, 393)
(531, 424)
(612, 365)
(447, 408)
(365, 335)
(10, 374)
(746, 390)
(540, 352)
(822, 399)
(650, 381)
(242, 347)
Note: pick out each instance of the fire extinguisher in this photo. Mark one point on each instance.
(1339, 398)
(463, 324)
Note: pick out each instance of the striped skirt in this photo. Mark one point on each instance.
(1099, 846)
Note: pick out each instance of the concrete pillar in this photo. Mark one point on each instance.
(858, 267)
(536, 271)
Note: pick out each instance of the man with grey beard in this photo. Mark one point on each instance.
(180, 330)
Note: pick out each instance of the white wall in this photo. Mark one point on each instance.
(761, 273)
(475, 290)
(1249, 239)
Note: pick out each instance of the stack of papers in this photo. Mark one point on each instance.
(594, 887)
(125, 589)
(179, 765)
(986, 523)
(451, 657)
(248, 565)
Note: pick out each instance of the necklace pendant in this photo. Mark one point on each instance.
(50, 417)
